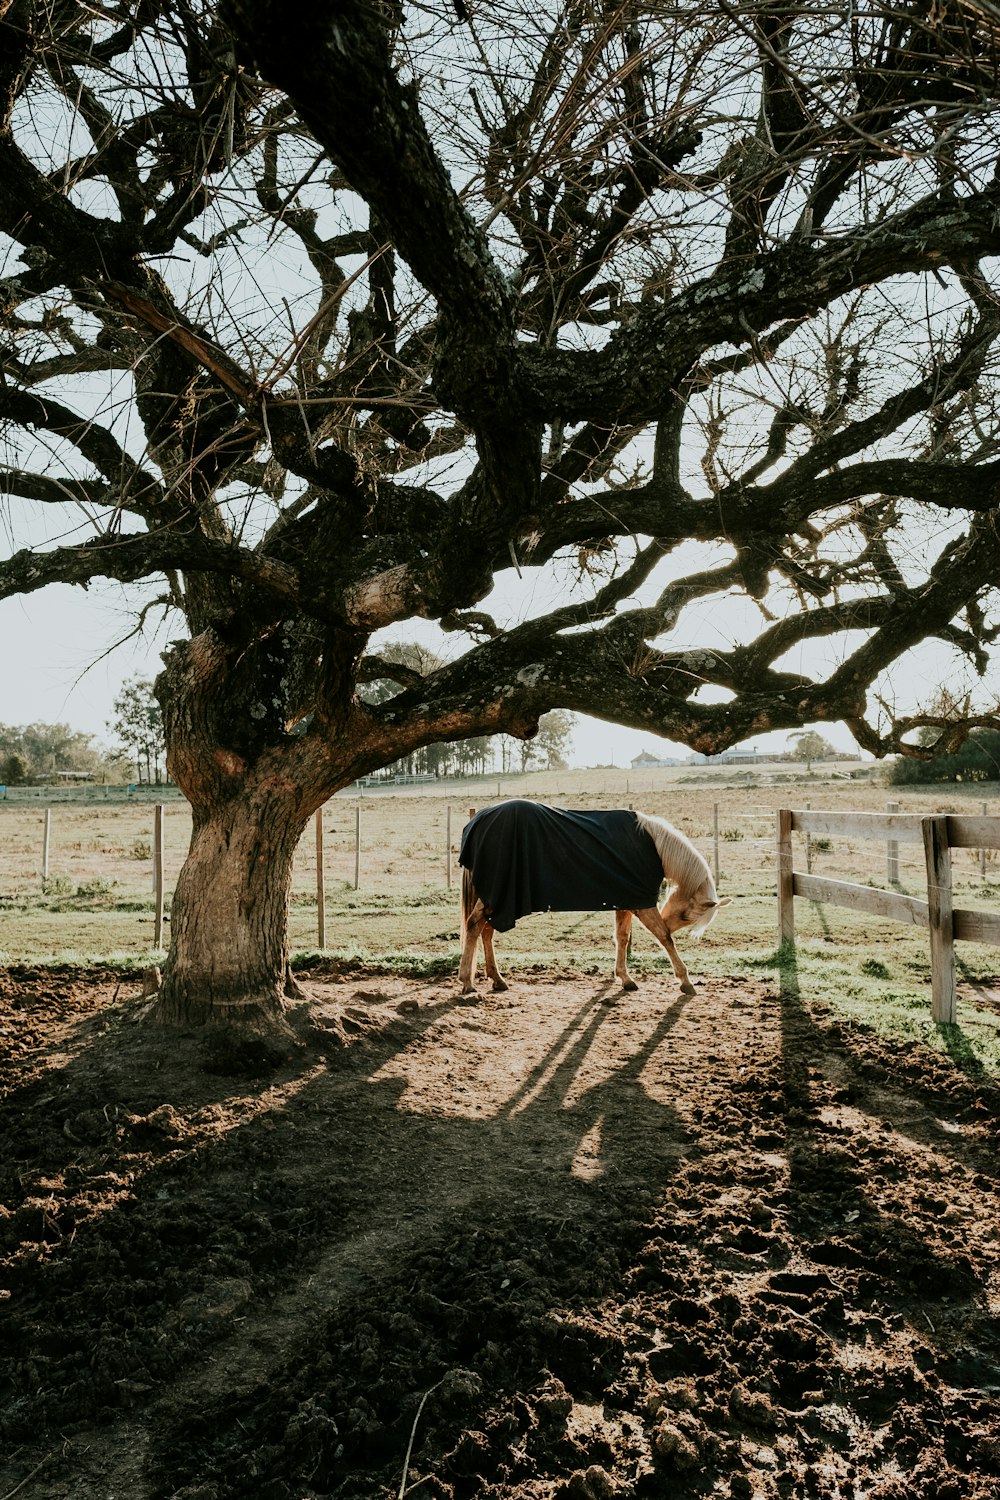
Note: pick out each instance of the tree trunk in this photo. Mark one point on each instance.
(228, 959)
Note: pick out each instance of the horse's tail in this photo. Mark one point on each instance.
(469, 897)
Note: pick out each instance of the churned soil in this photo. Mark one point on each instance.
(554, 1242)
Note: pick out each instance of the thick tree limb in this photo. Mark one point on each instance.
(53, 491)
(135, 488)
(127, 558)
(338, 70)
(580, 355)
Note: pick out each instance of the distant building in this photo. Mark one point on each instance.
(735, 756)
(646, 760)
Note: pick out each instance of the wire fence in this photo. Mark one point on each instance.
(396, 844)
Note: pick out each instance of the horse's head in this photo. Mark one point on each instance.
(695, 909)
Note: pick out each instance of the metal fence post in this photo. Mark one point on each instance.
(46, 836)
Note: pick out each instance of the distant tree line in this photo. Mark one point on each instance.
(972, 757)
(498, 752)
(37, 753)
(34, 754)
(138, 728)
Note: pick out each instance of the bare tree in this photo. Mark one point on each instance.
(332, 316)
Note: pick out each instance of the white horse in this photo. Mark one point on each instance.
(691, 903)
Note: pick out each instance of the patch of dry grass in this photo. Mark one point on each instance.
(98, 898)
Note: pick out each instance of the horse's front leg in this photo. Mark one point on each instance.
(650, 917)
(492, 972)
(623, 931)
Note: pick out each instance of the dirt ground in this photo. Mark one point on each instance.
(551, 1243)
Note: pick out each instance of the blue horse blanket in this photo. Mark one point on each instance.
(525, 857)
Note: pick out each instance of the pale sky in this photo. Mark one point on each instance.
(57, 666)
(56, 661)
(65, 651)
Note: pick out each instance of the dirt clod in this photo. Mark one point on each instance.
(524, 1248)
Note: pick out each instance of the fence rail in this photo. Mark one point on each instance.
(902, 828)
(938, 834)
(390, 845)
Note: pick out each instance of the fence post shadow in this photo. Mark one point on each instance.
(960, 1049)
(787, 961)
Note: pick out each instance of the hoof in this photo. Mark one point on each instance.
(469, 997)
(629, 985)
(499, 986)
(688, 989)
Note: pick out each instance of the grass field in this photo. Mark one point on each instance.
(98, 899)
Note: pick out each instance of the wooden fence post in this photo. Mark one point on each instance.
(320, 882)
(786, 898)
(982, 852)
(937, 855)
(158, 875)
(892, 852)
(357, 846)
(715, 841)
(46, 836)
(809, 847)
(447, 841)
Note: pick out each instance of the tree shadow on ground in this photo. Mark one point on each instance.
(171, 1228)
(540, 1231)
(842, 1112)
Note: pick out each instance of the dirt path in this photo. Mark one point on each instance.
(542, 1245)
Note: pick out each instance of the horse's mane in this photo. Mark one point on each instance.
(683, 866)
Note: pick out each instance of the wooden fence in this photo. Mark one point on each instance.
(939, 834)
(387, 846)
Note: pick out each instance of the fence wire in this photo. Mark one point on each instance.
(395, 846)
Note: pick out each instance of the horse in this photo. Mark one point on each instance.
(519, 857)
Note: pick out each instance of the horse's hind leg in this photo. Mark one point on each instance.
(472, 925)
(492, 972)
(623, 931)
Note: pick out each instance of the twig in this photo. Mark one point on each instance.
(45, 1460)
(409, 1446)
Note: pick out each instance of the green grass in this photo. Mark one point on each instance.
(891, 996)
(97, 905)
(128, 960)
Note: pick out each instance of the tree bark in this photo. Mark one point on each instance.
(228, 958)
(251, 799)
